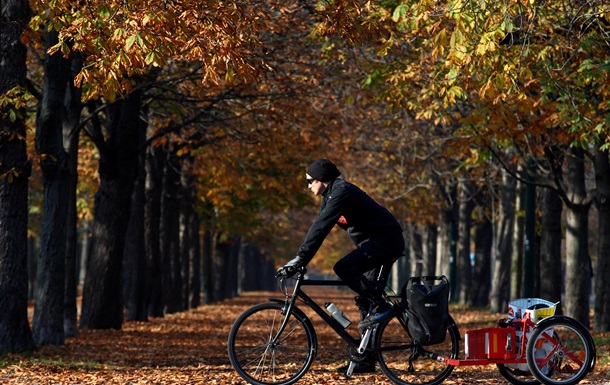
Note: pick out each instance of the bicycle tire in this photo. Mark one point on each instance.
(560, 351)
(396, 349)
(520, 376)
(517, 376)
(259, 361)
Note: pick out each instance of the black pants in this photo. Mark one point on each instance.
(360, 268)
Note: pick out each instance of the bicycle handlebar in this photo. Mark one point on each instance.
(284, 272)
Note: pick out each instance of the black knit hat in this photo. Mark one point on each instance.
(323, 170)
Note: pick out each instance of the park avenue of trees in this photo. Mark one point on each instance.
(152, 156)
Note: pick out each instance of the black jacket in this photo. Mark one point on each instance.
(353, 210)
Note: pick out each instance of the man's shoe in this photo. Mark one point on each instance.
(358, 369)
(376, 318)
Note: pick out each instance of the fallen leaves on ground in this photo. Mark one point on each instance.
(190, 348)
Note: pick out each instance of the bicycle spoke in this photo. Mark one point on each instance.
(401, 361)
(260, 355)
(561, 352)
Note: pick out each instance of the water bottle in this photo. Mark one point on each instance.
(337, 314)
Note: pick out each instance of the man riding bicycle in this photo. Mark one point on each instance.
(372, 228)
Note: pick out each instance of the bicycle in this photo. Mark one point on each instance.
(275, 342)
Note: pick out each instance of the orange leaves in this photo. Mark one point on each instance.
(190, 349)
(121, 40)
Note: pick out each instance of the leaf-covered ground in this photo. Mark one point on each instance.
(190, 348)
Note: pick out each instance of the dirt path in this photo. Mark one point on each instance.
(190, 348)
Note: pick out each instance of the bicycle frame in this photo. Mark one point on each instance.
(298, 293)
(523, 325)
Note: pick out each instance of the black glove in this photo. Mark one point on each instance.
(289, 269)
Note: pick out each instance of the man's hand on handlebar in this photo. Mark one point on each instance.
(290, 269)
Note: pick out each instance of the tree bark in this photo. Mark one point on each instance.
(48, 323)
(442, 247)
(578, 262)
(152, 218)
(601, 320)
(256, 272)
(189, 237)
(186, 207)
(169, 239)
(102, 306)
(550, 247)
(464, 265)
(504, 252)
(482, 266)
(195, 262)
(430, 252)
(232, 267)
(208, 266)
(15, 333)
(221, 255)
(134, 262)
(518, 244)
(417, 251)
(73, 107)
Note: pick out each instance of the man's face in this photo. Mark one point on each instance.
(315, 186)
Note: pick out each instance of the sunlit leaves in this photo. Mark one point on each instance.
(120, 40)
(13, 104)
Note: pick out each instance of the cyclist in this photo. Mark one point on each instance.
(372, 228)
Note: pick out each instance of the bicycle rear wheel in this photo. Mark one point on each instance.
(517, 376)
(401, 360)
(260, 358)
(560, 351)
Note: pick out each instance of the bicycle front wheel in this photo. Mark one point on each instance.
(261, 356)
(400, 359)
(560, 351)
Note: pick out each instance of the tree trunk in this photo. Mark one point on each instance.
(601, 320)
(453, 216)
(73, 107)
(431, 234)
(417, 251)
(194, 261)
(442, 248)
(255, 272)
(15, 333)
(187, 209)
(578, 262)
(482, 264)
(102, 306)
(550, 247)
(518, 244)
(189, 237)
(232, 267)
(134, 263)
(152, 218)
(464, 265)
(48, 323)
(169, 239)
(208, 266)
(32, 264)
(221, 255)
(504, 252)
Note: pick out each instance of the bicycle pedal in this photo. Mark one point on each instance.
(350, 369)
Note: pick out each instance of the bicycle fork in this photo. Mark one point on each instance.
(361, 349)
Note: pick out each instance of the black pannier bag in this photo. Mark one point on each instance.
(426, 300)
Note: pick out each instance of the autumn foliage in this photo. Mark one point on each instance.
(190, 348)
(415, 100)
